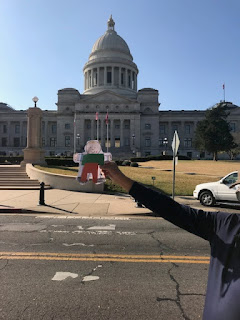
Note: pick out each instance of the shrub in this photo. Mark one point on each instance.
(134, 164)
(126, 163)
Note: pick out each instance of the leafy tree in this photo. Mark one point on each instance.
(213, 134)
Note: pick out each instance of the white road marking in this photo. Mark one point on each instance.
(111, 227)
(121, 233)
(80, 227)
(81, 217)
(59, 276)
(90, 278)
(78, 244)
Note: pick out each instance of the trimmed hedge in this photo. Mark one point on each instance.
(11, 160)
(166, 157)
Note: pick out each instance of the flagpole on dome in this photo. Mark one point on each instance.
(224, 92)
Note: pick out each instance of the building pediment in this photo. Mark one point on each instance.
(106, 97)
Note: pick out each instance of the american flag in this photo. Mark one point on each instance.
(106, 118)
(96, 115)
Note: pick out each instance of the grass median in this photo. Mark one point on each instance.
(188, 174)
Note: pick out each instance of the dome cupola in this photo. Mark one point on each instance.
(110, 65)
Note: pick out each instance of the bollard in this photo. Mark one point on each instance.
(138, 204)
(41, 194)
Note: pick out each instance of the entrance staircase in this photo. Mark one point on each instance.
(14, 177)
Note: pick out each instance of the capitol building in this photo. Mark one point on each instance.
(136, 124)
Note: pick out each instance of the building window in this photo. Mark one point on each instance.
(67, 141)
(161, 140)
(88, 125)
(188, 143)
(4, 128)
(17, 128)
(232, 126)
(109, 77)
(117, 142)
(67, 126)
(127, 126)
(16, 142)
(43, 142)
(117, 126)
(53, 142)
(148, 126)
(4, 142)
(54, 128)
(127, 141)
(147, 142)
(162, 128)
(129, 81)
(147, 153)
(187, 129)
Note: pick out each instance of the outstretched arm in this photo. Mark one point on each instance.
(195, 221)
(111, 170)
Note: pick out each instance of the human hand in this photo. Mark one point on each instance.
(111, 170)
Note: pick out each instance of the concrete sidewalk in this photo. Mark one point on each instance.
(77, 203)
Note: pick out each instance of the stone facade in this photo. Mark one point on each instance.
(137, 126)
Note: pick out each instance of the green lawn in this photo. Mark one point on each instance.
(188, 174)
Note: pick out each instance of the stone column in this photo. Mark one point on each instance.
(34, 153)
(126, 78)
(105, 76)
(112, 84)
(119, 77)
(121, 133)
(91, 84)
(98, 77)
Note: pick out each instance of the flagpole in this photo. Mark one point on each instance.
(97, 130)
(224, 92)
(107, 136)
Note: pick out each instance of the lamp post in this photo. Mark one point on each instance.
(35, 100)
(78, 140)
(165, 143)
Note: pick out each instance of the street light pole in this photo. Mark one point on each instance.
(35, 100)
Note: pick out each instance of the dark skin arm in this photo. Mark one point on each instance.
(111, 170)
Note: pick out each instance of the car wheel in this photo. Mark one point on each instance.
(207, 199)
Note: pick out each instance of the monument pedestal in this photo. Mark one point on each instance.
(34, 156)
(34, 153)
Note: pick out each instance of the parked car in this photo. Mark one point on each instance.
(212, 192)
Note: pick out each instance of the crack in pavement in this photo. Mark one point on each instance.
(161, 245)
(91, 272)
(6, 263)
(178, 293)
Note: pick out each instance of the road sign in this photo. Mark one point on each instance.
(175, 143)
(175, 146)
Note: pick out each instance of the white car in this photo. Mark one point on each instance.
(212, 192)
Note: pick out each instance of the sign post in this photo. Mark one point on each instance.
(175, 146)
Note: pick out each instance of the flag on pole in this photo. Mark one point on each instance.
(223, 86)
(96, 115)
(106, 118)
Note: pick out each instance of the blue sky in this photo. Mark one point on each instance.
(186, 49)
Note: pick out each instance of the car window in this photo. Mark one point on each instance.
(232, 178)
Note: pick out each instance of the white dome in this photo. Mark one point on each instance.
(111, 41)
(110, 45)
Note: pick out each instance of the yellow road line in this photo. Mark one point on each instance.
(102, 257)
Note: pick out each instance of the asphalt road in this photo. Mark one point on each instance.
(55, 267)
